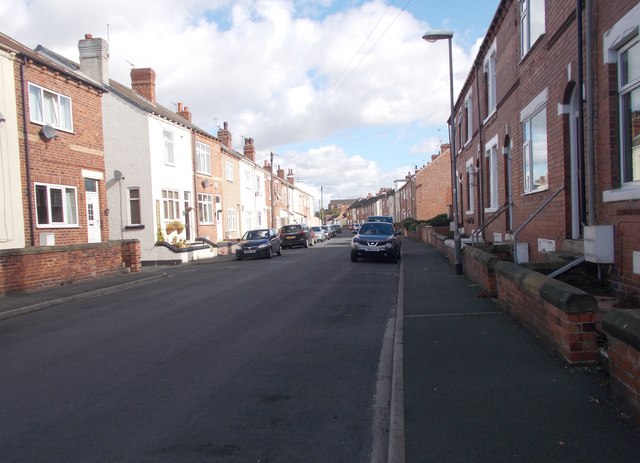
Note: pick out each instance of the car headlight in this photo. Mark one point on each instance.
(263, 245)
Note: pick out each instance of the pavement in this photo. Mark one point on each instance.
(469, 383)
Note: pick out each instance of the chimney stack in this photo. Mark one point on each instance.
(224, 135)
(290, 177)
(280, 173)
(184, 111)
(249, 149)
(94, 58)
(143, 82)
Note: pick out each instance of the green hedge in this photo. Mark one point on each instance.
(411, 224)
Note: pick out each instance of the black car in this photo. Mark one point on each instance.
(376, 240)
(295, 235)
(259, 243)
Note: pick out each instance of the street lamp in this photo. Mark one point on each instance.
(433, 36)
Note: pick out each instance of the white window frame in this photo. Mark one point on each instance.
(468, 117)
(489, 68)
(532, 24)
(58, 113)
(203, 158)
(231, 219)
(68, 204)
(534, 109)
(169, 156)
(131, 201)
(228, 171)
(623, 35)
(471, 186)
(170, 204)
(205, 208)
(531, 148)
(630, 171)
(491, 153)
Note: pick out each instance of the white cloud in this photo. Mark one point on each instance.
(275, 75)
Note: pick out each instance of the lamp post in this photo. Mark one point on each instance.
(433, 36)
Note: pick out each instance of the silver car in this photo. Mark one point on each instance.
(321, 235)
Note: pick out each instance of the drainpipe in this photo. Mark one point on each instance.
(27, 165)
(581, 157)
(195, 187)
(480, 154)
(591, 193)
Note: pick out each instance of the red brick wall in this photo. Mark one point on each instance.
(33, 268)
(433, 188)
(536, 300)
(479, 267)
(61, 160)
(623, 215)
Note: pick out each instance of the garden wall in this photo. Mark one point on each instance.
(38, 267)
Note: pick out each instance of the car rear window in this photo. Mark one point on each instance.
(291, 228)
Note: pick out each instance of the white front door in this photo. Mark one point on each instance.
(219, 236)
(93, 210)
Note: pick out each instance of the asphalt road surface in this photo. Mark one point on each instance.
(253, 361)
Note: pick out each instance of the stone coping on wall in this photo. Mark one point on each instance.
(623, 324)
(561, 295)
(482, 256)
(30, 250)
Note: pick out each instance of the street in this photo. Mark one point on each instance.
(271, 360)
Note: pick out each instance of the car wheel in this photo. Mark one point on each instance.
(354, 258)
(280, 251)
(269, 253)
(238, 258)
(306, 243)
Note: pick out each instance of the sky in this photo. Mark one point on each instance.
(344, 92)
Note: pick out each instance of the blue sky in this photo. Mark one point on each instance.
(344, 92)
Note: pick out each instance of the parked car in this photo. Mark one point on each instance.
(320, 233)
(376, 240)
(337, 228)
(328, 231)
(259, 243)
(295, 235)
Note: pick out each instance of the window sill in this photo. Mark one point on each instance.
(134, 227)
(538, 190)
(489, 116)
(469, 213)
(626, 193)
(490, 210)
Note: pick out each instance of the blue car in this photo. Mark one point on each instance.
(259, 243)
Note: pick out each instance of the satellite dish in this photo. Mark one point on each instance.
(205, 183)
(117, 175)
(49, 132)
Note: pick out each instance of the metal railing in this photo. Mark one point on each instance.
(498, 213)
(529, 219)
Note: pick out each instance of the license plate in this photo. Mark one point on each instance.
(371, 249)
(250, 251)
(291, 237)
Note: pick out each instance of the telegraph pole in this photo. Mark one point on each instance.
(273, 216)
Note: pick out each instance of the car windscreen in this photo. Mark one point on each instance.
(255, 235)
(377, 228)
